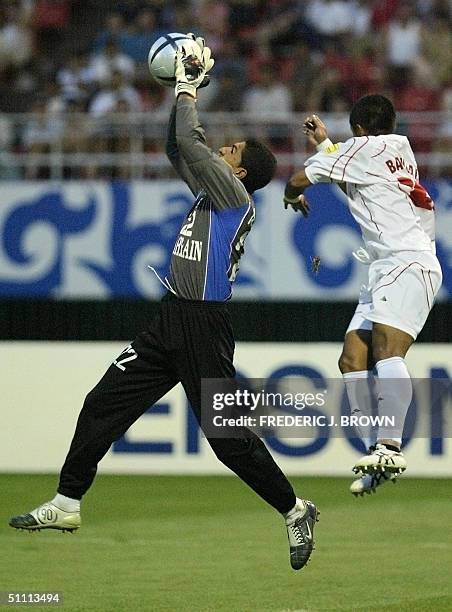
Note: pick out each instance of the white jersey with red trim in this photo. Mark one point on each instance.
(394, 211)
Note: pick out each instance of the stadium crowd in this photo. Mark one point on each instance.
(74, 64)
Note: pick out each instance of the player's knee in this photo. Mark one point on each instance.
(389, 342)
(222, 450)
(385, 347)
(92, 401)
(348, 362)
(384, 350)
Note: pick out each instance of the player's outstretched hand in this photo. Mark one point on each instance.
(315, 129)
(192, 66)
(299, 204)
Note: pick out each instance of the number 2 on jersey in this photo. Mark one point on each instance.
(187, 228)
(128, 354)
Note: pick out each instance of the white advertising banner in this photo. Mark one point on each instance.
(43, 386)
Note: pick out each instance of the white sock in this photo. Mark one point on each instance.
(66, 503)
(395, 391)
(358, 386)
(299, 505)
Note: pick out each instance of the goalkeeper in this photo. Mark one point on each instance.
(191, 337)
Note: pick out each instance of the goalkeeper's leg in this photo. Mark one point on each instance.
(209, 354)
(136, 380)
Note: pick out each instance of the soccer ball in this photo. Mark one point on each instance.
(162, 55)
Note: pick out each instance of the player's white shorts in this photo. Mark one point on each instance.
(400, 293)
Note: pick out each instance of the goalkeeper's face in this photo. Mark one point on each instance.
(232, 155)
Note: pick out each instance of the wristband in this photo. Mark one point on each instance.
(186, 88)
(324, 145)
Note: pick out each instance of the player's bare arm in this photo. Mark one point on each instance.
(317, 134)
(293, 193)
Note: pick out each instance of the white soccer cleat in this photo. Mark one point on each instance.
(381, 459)
(47, 516)
(300, 532)
(369, 483)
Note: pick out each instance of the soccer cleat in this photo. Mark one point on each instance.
(47, 516)
(381, 459)
(369, 483)
(300, 532)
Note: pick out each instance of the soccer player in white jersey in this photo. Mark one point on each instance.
(378, 172)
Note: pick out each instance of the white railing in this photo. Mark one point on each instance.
(132, 145)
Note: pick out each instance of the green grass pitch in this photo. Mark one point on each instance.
(201, 544)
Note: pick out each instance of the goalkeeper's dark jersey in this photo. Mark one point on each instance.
(207, 252)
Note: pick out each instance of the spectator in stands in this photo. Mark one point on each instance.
(230, 62)
(113, 134)
(75, 137)
(336, 57)
(244, 16)
(330, 18)
(15, 37)
(78, 78)
(109, 61)
(115, 28)
(6, 132)
(383, 12)
(51, 19)
(39, 134)
(121, 141)
(442, 9)
(443, 141)
(416, 96)
(108, 97)
(338, 122)
(55, 101)
(326, 90)
(8, 171)
(183, 18)
(128, 9)
(362, 17)
(402, 40)
(154, 97)
(212, 16)
(229, 94)
(303, 72)
(364, 69)
(424, 7)
(268, 94)
(144, 31)
(437, 47)
(278, 28)
(278, 38)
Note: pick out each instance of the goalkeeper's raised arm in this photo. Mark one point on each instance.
(190, 75)
(176, 159)
(225, 176)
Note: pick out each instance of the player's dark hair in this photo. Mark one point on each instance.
(259, 163)
(375, 114)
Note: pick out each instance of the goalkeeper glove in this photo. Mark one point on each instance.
(191, 68)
